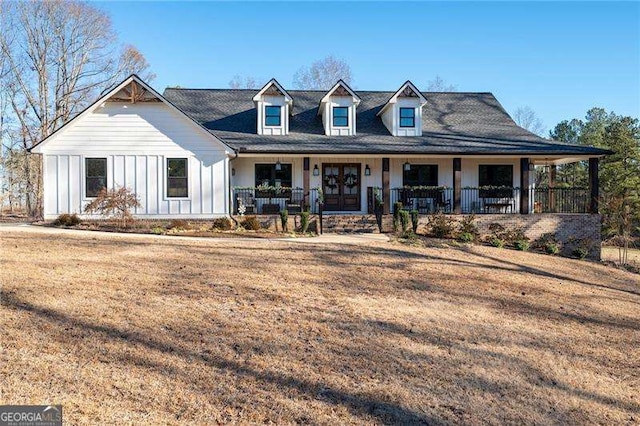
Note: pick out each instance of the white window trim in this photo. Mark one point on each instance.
(264, 116)
(83, 175)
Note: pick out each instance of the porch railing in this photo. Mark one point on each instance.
(273, 200)
(485, 200)
(561, 200)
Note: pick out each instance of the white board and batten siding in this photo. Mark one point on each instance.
(136, 140)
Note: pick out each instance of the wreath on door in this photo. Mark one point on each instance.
(350, 180)
(331, 181)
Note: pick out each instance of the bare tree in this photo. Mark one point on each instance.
(58, 56)
(239, 82)
(526, 118)
(323, 74)
(438, 84)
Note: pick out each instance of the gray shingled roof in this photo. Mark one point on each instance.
(453, 123)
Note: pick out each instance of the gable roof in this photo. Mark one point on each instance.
(408, 89)
(455, 123)
(118, 91)
(273, 83)
(345, 89)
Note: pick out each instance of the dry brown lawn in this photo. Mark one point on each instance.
(161, 331)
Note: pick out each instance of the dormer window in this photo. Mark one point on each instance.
(402, 114)
(273, 108)
(340, 116)
(407, 117)
(272, 116)
(338, 110)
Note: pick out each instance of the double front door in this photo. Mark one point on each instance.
(341, 187)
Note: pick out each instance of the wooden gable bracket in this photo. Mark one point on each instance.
(133, 93)
(341, 91)
(273, 91)
(408, 93)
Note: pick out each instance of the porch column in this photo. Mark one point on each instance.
(386, 191)
(457, 185)
(305, 180)
(594, 184)
(524, 186)
(553, 172)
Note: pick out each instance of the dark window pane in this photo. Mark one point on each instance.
(272, 116)
(407, 117)
(495, 175)
(340, 116)
(421, 175)
(95, 176)
(177, 181)
(177, 167)
(267, 175)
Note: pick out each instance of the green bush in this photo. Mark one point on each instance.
(551, 248)
(179, 225)
(251, 223)
(397, 208)
(404, 220)
(157, 230)
(304, 221)
(284, 218)
(441, 226)
(466, 237)
(67, 220)
(415, 218)
(496, 242)
(522, 245)
(580, 252)
(222, 224)
(467, 226)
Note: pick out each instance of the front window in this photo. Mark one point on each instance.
(95, 171)
(177, 181)
(407, 117)
(421, 175)
(495, 175)
(340, 117)
(272, 116)
(268, 175)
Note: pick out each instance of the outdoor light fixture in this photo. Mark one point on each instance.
(406, 166)
(233, 172)
(278, 165)
(367, 170)
(316, 171)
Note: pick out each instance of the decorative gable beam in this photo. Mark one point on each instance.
(133, 93)
(273, 88)
(407, 90)
(341, 89)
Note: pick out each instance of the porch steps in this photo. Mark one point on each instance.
(350, 224)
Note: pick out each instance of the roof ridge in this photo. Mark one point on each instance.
(219, 89)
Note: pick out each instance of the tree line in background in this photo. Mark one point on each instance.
(56, 57)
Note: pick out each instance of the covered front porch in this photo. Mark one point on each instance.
(345, 184)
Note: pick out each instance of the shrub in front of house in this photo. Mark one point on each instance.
(67, 220)
(548, 243)
(467, 229)
(222, 224)
(397, 208)
(466, 237)
(251, 223)
(496, 242)
(404, 220)
(415, 218)
(441, 226)
(551, 248)
(284, 218)
(304, 221)
(115, 203)
(522, 245)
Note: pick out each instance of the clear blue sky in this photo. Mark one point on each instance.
(558, 58)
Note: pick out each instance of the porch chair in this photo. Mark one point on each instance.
(295, 203)
(442, 204)
(246, 199)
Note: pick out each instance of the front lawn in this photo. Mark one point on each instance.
(154, 331)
